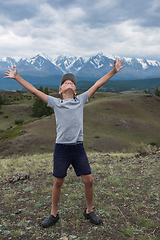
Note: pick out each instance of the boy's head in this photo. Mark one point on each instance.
(68, 85)
(69, 76)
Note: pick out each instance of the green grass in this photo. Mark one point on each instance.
(126, 197)
(17, 106)
(12, 133)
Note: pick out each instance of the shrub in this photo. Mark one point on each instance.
(153, 144)
(19, 121)
(145, 91)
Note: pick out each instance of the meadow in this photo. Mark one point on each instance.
(121, 137)
(126, 197)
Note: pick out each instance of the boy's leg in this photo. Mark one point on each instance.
(56, 191)
(88, 189)
(89, 214)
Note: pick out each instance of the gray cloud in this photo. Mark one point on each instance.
(18, 10)
(80, 27)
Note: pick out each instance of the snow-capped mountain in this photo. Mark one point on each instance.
(6, 63)
(95, 66)
(40, 63)
(69, 64)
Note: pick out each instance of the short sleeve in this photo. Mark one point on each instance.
(51, 101)
(83, 98)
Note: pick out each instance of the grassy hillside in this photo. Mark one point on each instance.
(126, 197)
(120, 122)
(112, 123)
(17, 105)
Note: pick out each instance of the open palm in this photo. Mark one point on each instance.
(118, 65)
(11, 73)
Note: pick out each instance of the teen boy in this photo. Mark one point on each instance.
(69, 142)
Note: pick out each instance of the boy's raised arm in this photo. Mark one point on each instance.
(13, 74)
(117, 66)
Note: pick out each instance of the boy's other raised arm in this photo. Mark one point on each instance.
(117, 66)
(14, 75)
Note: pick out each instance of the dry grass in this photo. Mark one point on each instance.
(126, 197)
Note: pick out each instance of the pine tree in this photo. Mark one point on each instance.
(39, 107)
(157, 92)
(1, 100)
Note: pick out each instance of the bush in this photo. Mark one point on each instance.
(153, 144)
(145, 91)
(19, 121)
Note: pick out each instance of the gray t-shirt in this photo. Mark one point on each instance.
(69, 118)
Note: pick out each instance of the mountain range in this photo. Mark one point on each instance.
(89, 69)
(95, 66)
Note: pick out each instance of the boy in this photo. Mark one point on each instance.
(69, 142)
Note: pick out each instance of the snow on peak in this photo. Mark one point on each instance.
(143, 63)
(44, 55)
(4, 59)
(153, 63)
(128, 60)
(98, 63)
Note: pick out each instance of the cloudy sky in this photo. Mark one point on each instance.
(80, 28)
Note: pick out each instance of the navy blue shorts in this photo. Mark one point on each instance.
(66, 154)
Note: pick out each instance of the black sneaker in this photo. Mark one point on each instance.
(50, 220)
(92, 217)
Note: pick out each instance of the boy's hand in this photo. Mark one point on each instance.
(11, 74)
(117, 65)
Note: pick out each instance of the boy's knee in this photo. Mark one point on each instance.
(58, 182)
(87, 180)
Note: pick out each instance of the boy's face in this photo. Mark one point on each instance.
(67, 85)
